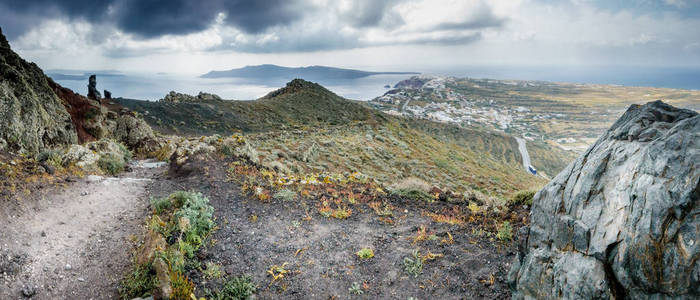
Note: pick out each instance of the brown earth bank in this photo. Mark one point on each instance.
(462, 261)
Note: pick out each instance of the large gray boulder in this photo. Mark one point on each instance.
(623, 220)
(32, 117)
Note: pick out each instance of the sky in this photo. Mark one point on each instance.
(196, 36)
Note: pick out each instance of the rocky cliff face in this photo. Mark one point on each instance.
(32, 117)
(623, 220)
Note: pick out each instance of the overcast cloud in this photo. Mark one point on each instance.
(193, 36)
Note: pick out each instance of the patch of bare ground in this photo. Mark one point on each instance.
(319, 253)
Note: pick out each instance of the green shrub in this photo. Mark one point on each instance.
(182, 287)
(413, 265)
(414, 194)
(174, 258)
(161, 204)
(522, 198)
(139, 283)
(186, 248)
(51, 157)
(111, 164)
(236, 288)
(355, 289)
(196, 209)
(158, 225)
(126, 153)
(365, 253)
(505, 232)
(227, 150)
(212, 270)
(285, 195)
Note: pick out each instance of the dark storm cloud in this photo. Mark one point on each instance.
(257, 15)
(368, 13)
(16, 17)
(153, 18)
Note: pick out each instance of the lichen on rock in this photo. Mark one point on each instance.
(32, 117)
(134, 132)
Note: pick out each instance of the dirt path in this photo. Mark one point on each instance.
(75, 242)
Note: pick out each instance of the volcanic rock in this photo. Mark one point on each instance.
(623, 220)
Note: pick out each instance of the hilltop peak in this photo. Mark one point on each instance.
(298, 85)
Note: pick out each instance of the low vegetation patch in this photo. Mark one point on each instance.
(235, 288)
(413, 265)
(355, 289)
(139, 283)
(522, 198)
(285, 195)
(505, 232)
(111, 164)
(365, 253)
(184, 220)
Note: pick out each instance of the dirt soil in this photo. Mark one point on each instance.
(72, 241)
(319, 253)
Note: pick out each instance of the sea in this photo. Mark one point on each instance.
(156, 86)
(147, 86)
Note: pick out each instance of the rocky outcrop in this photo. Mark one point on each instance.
(175, 97)
(623, 220)
(93, 93)
(135, 133)
(86, 156)
(32, 117)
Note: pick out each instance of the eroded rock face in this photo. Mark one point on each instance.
(623, 220)
(32, 117)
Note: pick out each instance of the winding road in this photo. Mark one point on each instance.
(523, 152)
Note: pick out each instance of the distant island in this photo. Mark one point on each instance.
(309, 73)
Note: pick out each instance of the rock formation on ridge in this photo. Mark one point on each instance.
(93, 93)
(175, 97)
(623, 220)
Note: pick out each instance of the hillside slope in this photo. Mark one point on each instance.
(297, 105)
(304, 128)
